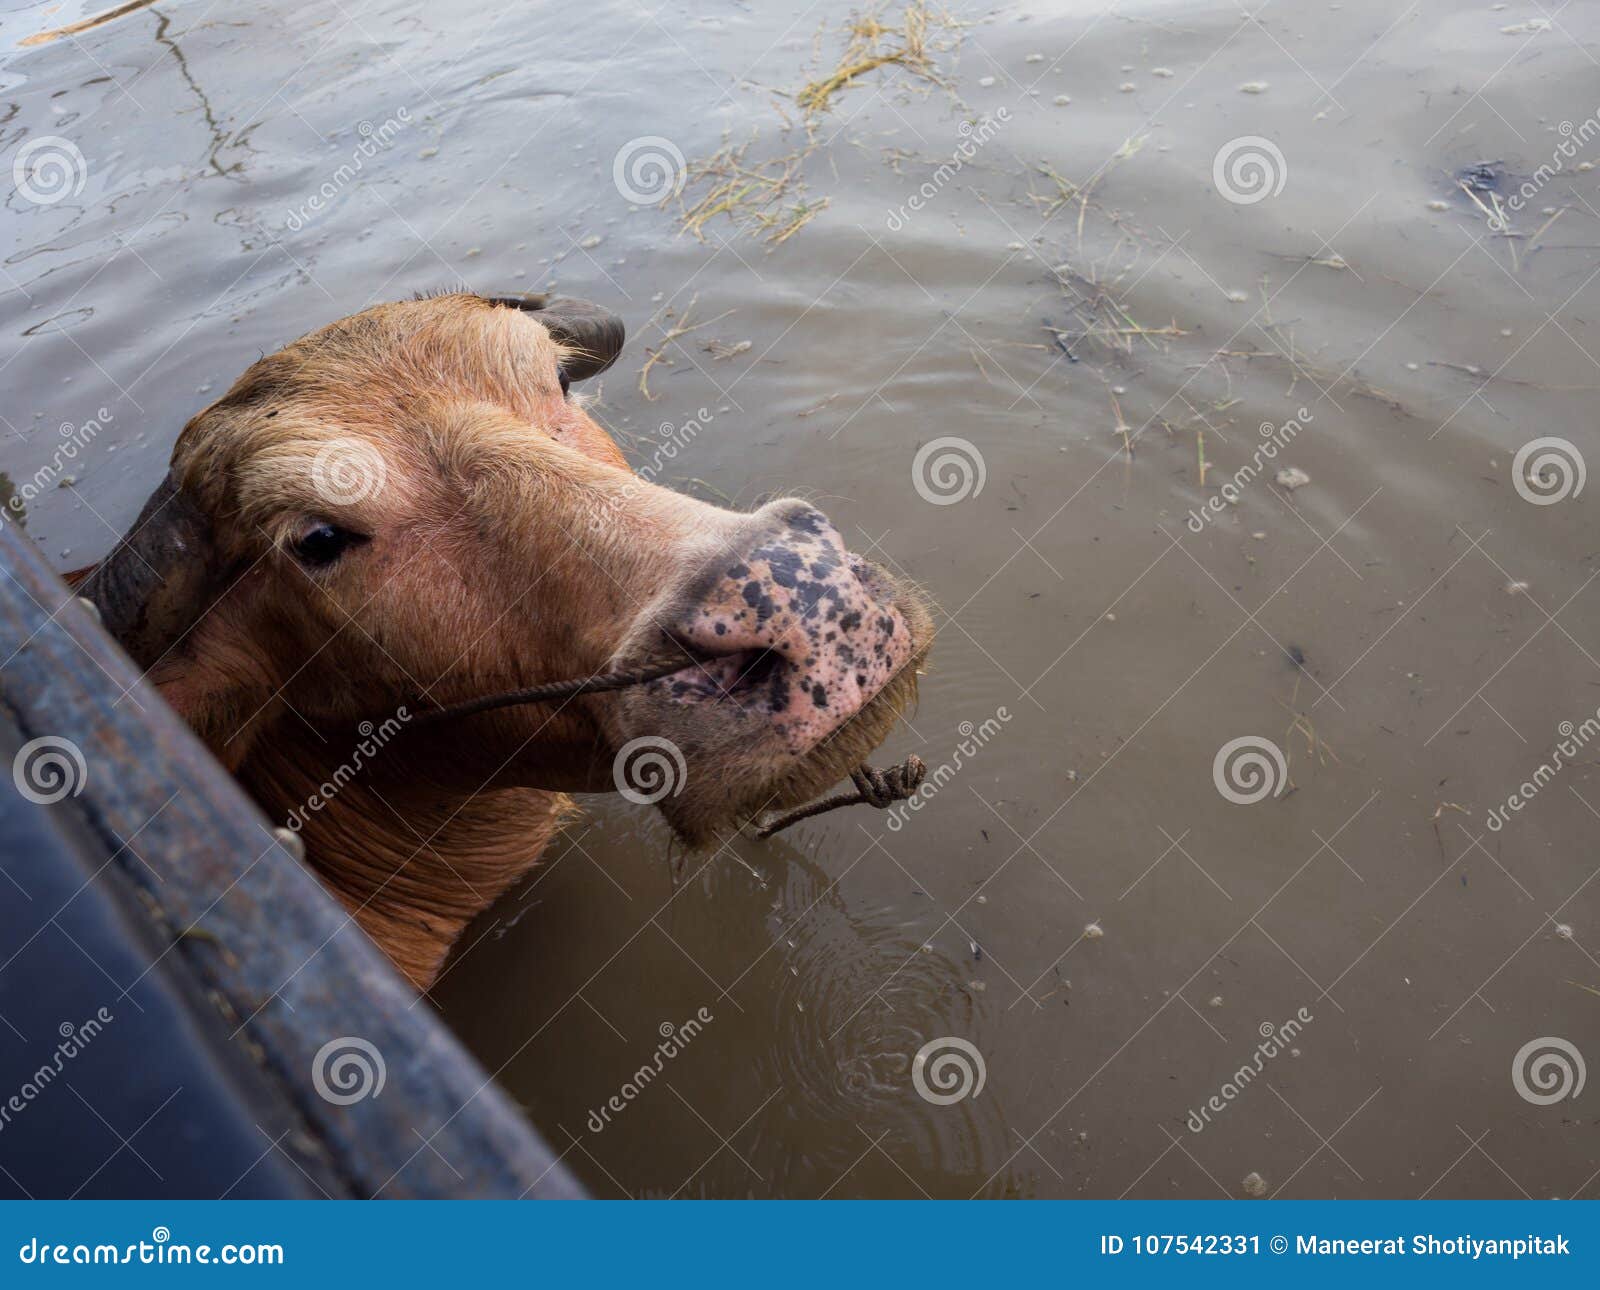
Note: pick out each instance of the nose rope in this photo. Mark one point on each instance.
(597, 684)
(879, 788)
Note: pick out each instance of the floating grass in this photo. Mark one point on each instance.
(766, 198)
(872, 44)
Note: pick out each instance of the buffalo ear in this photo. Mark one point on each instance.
(596, 334)
(153, 585)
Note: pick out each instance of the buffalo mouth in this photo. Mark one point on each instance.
(731, 717)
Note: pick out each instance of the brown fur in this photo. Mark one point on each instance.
(509, 546)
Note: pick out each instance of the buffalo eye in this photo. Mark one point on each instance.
(322, 544)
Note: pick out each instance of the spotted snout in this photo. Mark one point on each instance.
(793, 628)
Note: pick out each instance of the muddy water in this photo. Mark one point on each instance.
(1079, 901)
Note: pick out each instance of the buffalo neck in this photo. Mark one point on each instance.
(411, 859)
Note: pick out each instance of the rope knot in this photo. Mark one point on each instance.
(879, 788)
(883, 788)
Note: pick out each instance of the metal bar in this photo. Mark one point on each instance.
(277, 970)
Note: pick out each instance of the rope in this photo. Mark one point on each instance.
(879, 788)
(555, 690)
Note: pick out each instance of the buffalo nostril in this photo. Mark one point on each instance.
(760, 668)
(866, 573)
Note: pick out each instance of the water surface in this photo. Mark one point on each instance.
(1406, 629)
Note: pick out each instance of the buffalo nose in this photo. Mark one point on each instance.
(797, 626)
